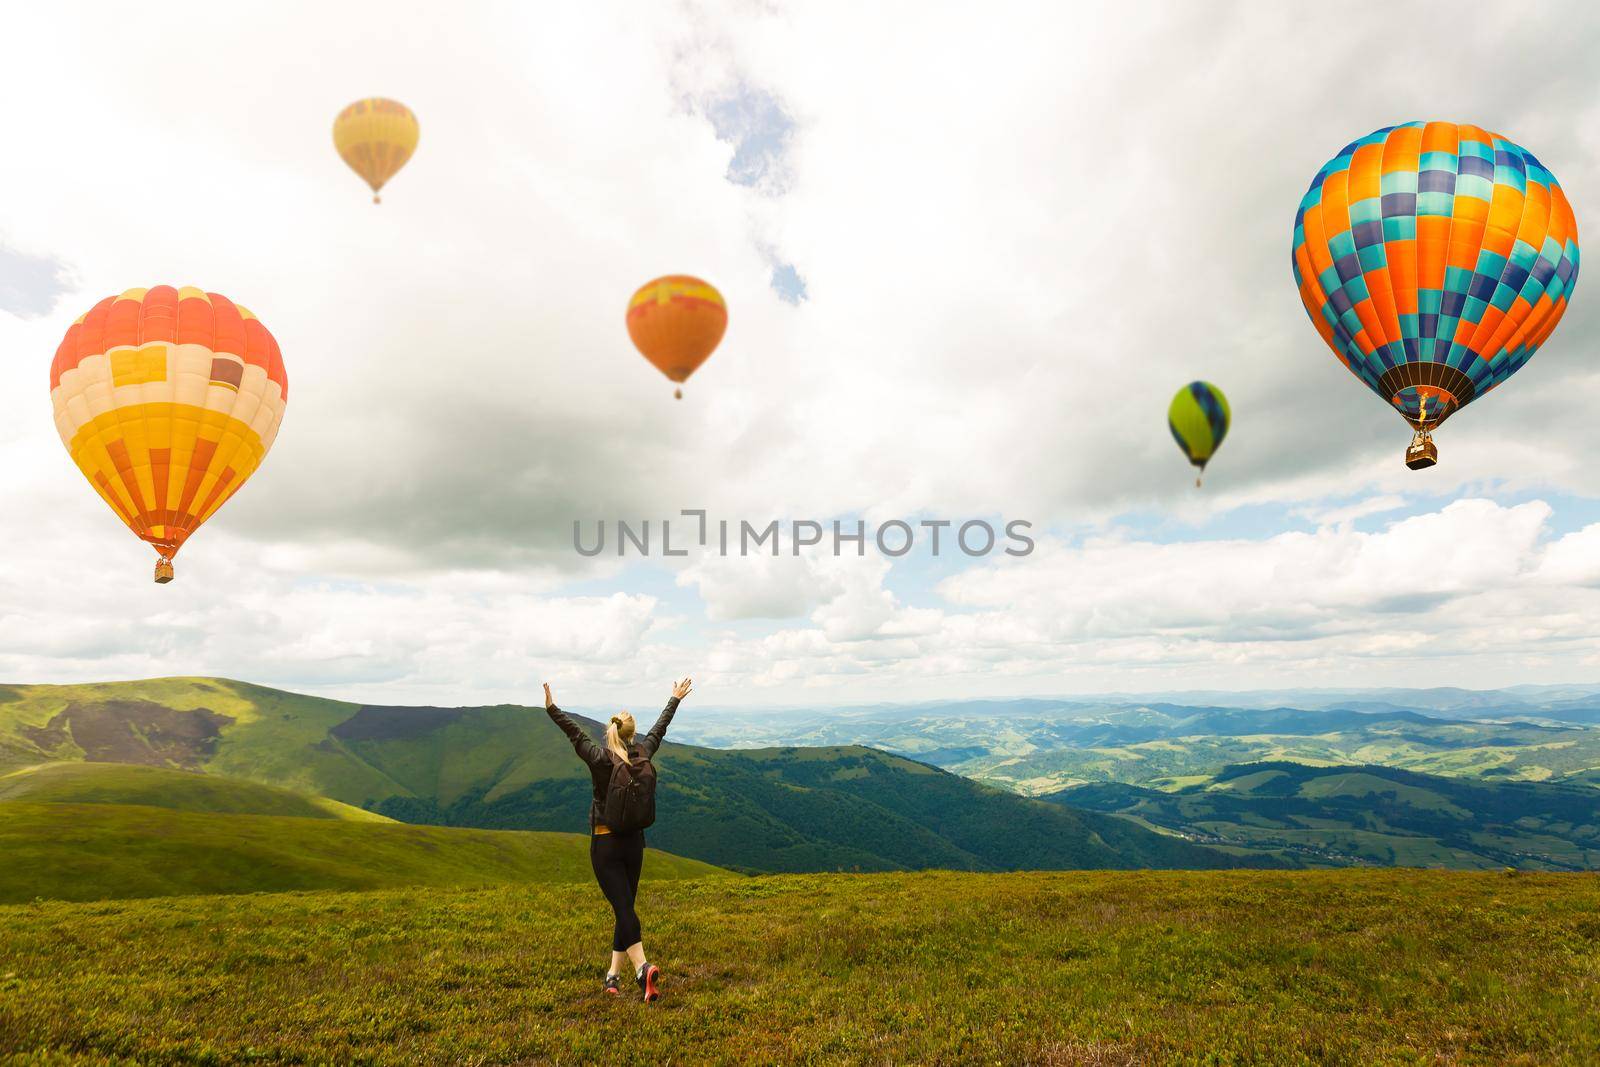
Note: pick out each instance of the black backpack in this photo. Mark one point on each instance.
(631, 794)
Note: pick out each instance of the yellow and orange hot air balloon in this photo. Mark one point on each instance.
(167, 399)
(375, 137)
(677, 322)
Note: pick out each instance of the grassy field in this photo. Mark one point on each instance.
(1350, 967)
(103, 851)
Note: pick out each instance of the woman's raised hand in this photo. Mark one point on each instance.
(549, 701)
(679, 690)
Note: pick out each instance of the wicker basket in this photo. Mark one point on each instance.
(1423, 453)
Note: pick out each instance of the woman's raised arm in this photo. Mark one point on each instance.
(585, 747)
(658, 732)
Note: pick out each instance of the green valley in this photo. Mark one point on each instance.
(1368, 815)
(1504, 751)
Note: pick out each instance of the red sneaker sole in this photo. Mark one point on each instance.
(650, 990)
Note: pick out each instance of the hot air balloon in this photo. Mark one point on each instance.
(676, 322)
(167, 400)
(375, 137)
(1434, 259)
(1198, 418)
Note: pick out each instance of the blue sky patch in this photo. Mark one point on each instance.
(787, 283)
(756, 124)
(30, 285)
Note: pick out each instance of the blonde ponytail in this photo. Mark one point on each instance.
(619, 731)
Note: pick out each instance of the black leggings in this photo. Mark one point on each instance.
(617, 860)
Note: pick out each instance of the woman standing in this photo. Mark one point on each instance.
(624, 781)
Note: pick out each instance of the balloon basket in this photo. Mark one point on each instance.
(163, 571)
(677, 394)
(1423, 453)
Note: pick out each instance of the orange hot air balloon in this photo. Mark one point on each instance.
(676, 322)
(167, 400)
(375, 137)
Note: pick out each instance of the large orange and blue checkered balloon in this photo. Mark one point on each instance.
(1434, 259)
(167, 400)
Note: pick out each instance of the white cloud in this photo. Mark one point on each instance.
(1291, 586)
(1333, 516)
(763, 586)
(1475, 593)
(1574, 560)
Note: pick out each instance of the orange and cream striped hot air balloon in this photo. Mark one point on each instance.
(167, 400)
(375, 137)
(677, 322)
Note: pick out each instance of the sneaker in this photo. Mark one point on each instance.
(613, 985)
(649, 978)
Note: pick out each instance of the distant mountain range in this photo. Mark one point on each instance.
(1568, 703)
(1571, 703)
(1041, 746)
(508, 767)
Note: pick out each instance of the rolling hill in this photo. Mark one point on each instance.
(509, 767)
(843, 808)
(121, 783)
(105, 851)
(1369, 815)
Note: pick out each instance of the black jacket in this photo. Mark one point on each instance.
(599, 758)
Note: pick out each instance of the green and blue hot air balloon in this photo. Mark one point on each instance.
(1198, 419)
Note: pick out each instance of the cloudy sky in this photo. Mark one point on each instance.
(968, 260)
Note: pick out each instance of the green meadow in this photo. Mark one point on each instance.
(1342, 967)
